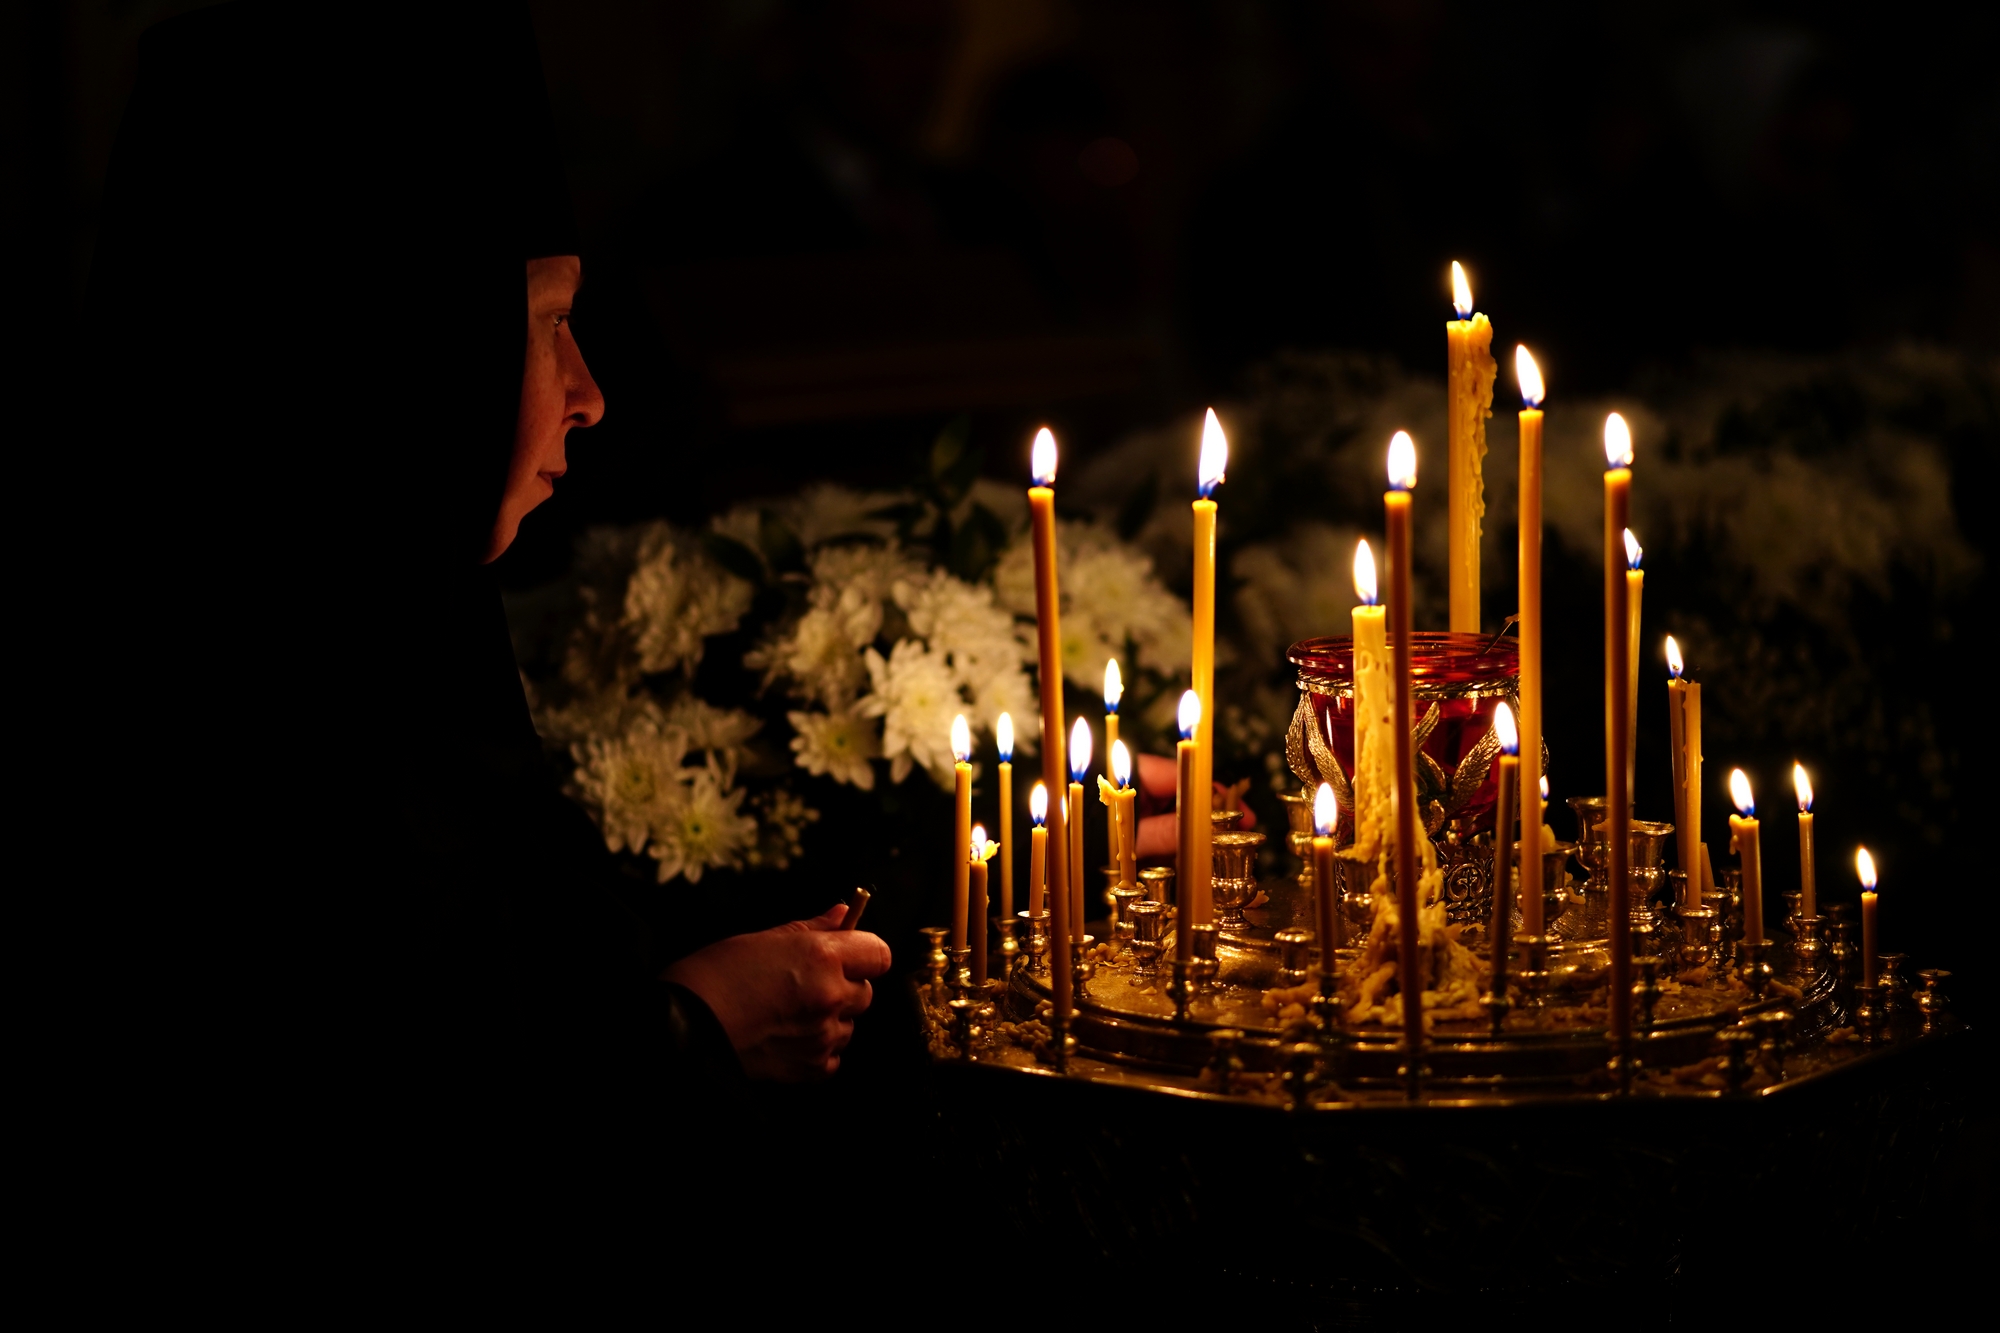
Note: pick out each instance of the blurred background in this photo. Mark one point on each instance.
(819, 233)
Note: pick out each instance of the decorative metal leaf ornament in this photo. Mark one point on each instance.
(1295, 743)
(1472, 771)
(1424, 728)
(1329, 768)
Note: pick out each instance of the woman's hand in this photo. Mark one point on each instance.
(788, 996)
(1160, 835)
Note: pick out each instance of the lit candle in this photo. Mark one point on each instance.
(1114, 690)
(1530, 627)
(1686, 835)
(1038, 849)
(1048, 635)
(1126, 816)
(1186, 774)
(1808, 870)
(1471, 369)
(1374, 710)
(980, 850)
(1326, 812)
(1003, 739)
(1208, 475)
(1396, 510)
(1079, 767)
(1864, 868)
(961, 828)
(1635, 588)
(1503, 846)
(1743, 840)
(1618, 720)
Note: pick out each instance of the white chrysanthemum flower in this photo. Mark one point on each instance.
(675, 599)
(720, 731)
(632, 782)
(838, 745)
(782, 817)
(822, 654)
(824, 512)
(1006, 691)
(915, 695)
(744, 525)
(870, 571)
(1110, 597)
(705, 830)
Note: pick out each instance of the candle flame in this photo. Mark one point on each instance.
(1674, 666)
(1325, 811)
(1545, 786)
(1461, 291)
(1114, 686)
(1038, 805)
(1739, 793)
(1079, 750)
(961, 739)
(1121, 764)
(978, 843)
(1042, 461)
(1617, 442)
(1504, 728)
(1364, 574)
(1803, 786)
(1003, 737)
(1633, 551)
(1402, 462)
(1530, 377)
(1864, 868)
(1214, 455)
(1190, 714)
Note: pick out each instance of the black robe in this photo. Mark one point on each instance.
(351, 888)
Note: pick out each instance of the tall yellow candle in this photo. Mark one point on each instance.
(1864, 868)
(1038, 849)
(1744, 840)
(1808, 870)
(1503, 847)
(1048, 640)
(1396, 511)
(1187, 773)
(1208, 475)
(961, 828)
(979, 850)
(1326, 890)
(1374, 716)
(1530, 628)
(1686, 834)
(1470, 372)
(1079, 874)
(1114, 692)
(1125, 814)
(1003, 736)
(1618, 720)
(1635, 588)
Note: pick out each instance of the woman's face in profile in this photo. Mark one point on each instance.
(557, 394)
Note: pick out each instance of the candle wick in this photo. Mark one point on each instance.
(1505, 625)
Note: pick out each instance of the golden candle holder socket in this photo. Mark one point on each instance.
(1755, 966)
(1204, 966)
(1701, 937)
(1149, 934)
(1158, 882)
(1889, 973)
(1868, 1011)
(937, 960)
(1234, 853)
(1038, 942)
(1294, 956)
(1083, 965)
(964, 1030)
(1010, 948)
(1807, 945)
(1931, 1001)
(1122, 902)
(961, 970)
(1534, 973)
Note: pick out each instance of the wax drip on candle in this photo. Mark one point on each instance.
(1003, 737)
(1803, 786)
(1461, 291)
(1326, 810)
(1079, 750)
(1864, 868)
(1739, 794)
(1114, 686)
(1505, 731)
(1617, 443)
(1402, 462)
(1190, 714)
(1634, 552)
(1364, 574)
(1674, 665)
(1121, 765)
(961, 739)
(1214, 455)
(1038, 805)
(1530, 377)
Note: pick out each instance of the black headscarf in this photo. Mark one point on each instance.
(303, 374)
